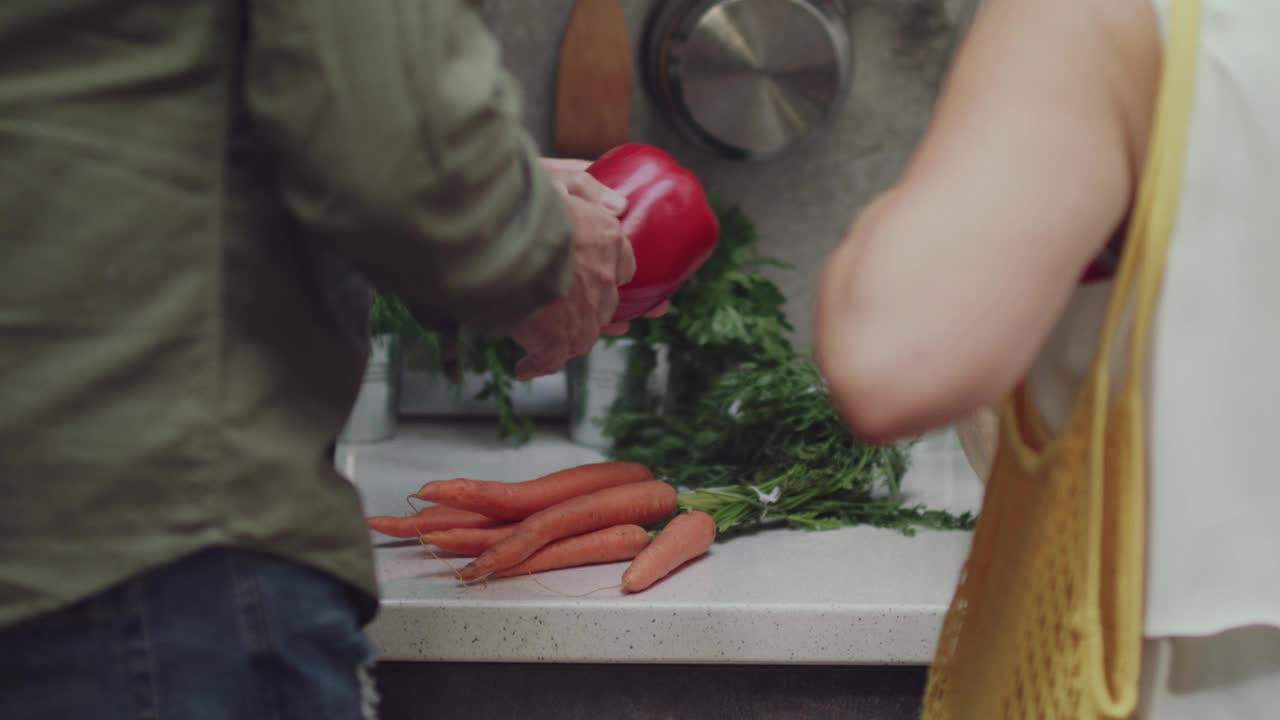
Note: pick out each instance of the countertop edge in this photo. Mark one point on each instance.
(600, 633)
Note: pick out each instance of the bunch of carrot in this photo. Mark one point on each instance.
(584, 515)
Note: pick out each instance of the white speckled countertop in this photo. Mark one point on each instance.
(849, 596)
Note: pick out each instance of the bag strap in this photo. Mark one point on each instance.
(1141, 270)
(1143, 259)
(1135, 297)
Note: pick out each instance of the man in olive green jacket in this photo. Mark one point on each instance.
(192, 195)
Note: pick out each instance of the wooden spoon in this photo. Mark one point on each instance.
(594, 81)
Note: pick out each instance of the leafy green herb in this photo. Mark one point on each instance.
(494, 359)
(388, 315)
(764, 447)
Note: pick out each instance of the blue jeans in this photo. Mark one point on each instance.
(221, 635)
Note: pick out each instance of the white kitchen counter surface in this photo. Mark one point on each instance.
(848, 596)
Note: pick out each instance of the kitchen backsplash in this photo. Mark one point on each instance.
(803, 200)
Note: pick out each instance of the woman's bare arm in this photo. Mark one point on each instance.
(948, 283)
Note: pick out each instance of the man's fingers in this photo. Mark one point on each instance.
(571, 175)
(535, 366)
(603, 260)
(565, 165)
(592, 190)
(608, 305)
(618, 328)
(526, 370)
(626, 268)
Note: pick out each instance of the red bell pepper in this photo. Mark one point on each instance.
(668, 221)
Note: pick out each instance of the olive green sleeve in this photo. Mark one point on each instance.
(395, 134)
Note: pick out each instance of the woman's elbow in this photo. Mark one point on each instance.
(870, 385)
(889, 387)
(905, 346)
(879, 404)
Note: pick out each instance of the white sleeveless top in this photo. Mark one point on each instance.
(1214, 409)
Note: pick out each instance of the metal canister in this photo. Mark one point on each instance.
(619, 373)
(374, 415)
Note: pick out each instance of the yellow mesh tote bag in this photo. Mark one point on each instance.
(1046, 622)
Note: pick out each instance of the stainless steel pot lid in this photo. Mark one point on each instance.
(748, 77)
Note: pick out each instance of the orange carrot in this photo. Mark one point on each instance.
(428, 519)
(686, 537)
(620, 542)
(468, 542)
(638, 503)
(516, 501)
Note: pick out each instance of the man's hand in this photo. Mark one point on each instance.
(572, 178)
(602, 261)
